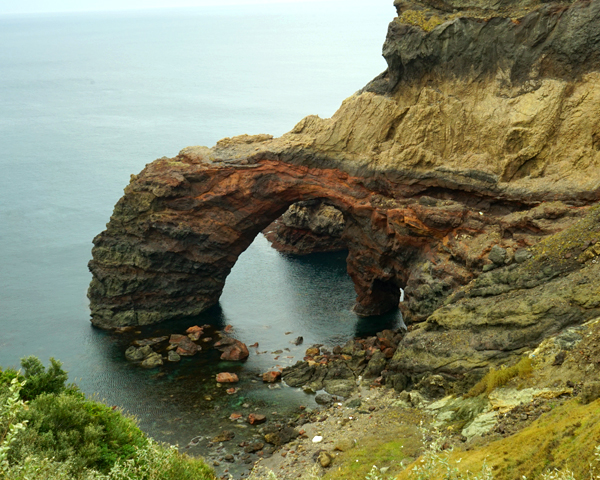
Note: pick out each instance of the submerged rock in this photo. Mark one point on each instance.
(272, 376)
(152, 361)
(233, 350)
(149, 341)
(225, 377)
(185, 347)
(137, 354)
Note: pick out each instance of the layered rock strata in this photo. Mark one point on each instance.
(481, 139)
(307, 227)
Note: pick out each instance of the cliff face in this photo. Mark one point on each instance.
(483, 132)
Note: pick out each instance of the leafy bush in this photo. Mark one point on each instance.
(69, 427)
(60, 435)
(37, 379)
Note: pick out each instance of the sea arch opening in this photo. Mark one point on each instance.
(176, 235)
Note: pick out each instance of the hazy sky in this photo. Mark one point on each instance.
(32, 6)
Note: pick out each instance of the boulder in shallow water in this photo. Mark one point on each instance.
(233, 350)
(152, 361)
(185, 346)
(195, 332)
(256, 418)
(135, 354)
(149, 341)
(225, 377)
(272, 376)
(173, 357)
(224, 436)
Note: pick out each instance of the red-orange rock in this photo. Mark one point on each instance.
(233, 350)
(195, 332)
(185, 346)
(256, 418)
(272, 376)
(225, 377)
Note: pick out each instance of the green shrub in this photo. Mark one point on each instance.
(61, 435)
(69, 427)
(37, 379)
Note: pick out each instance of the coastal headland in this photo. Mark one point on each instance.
(467, 174)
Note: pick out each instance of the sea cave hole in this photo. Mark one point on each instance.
(273, 298)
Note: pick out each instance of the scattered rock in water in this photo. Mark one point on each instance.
(228, 329)
(254, 345)
(272, 376)
(256, 419)
(195, 332)
(185, 347)
(324, 399)
(235, 416)
(225, 377)
(254, 447)
(135, 354)
(298, 341)
(224, 436)
(173, 356)
(152, 361)
(149, 341)
(233, 350)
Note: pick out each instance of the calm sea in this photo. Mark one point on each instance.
(88, 99)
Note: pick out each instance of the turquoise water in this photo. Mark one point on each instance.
(88, 99)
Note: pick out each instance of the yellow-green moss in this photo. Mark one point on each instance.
(497, 378)
(420, 19)
(564, 438)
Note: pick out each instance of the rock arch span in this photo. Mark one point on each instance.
(178, 230)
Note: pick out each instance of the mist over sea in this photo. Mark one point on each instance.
(88, 99)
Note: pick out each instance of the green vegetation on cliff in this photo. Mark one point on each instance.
(49, 430)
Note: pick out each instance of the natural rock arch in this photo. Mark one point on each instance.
(178, 231)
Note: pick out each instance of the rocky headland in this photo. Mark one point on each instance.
(467, 173)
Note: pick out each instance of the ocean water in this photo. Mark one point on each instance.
(88, 99)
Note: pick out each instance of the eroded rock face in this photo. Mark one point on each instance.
(483, 132)
(308, 227)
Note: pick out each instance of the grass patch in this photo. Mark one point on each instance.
(497, 378)
(355, 464)
(564, 438)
